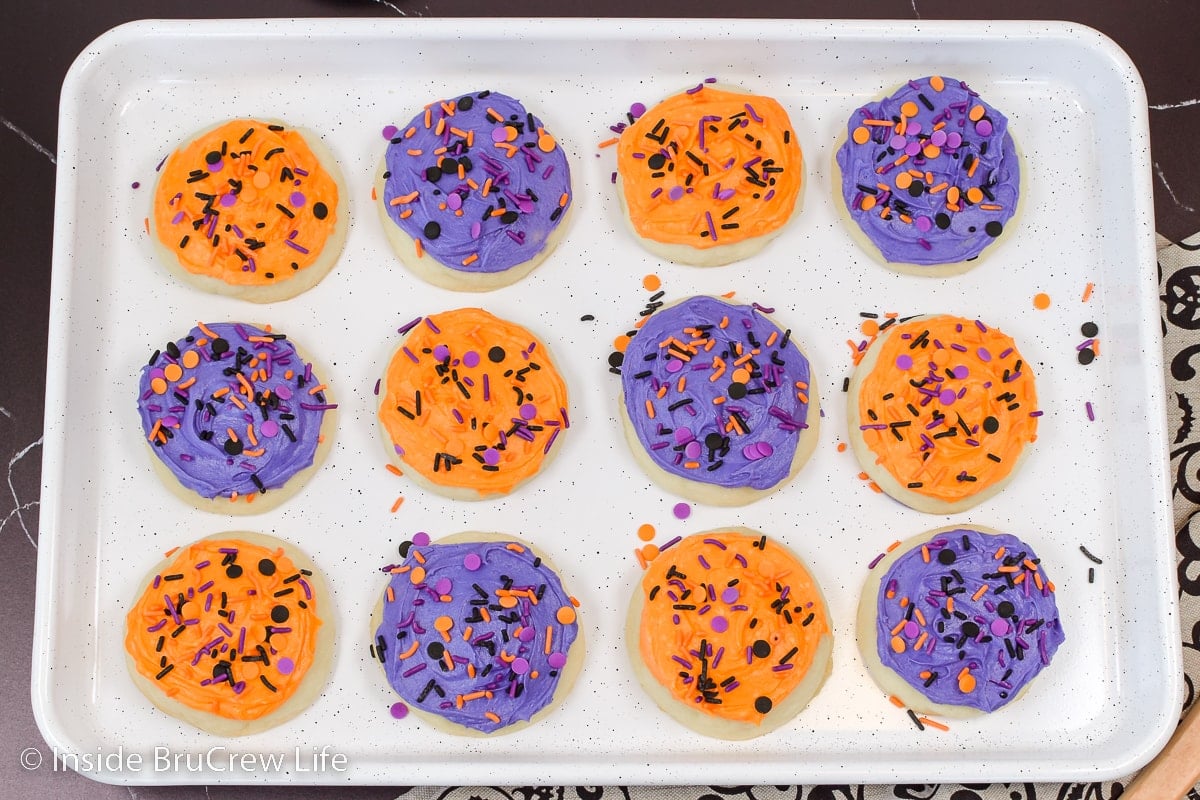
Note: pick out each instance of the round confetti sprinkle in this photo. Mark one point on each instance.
(420, 539)
(652, 283)
(1041, 301)
(682, 511)
(565, 615)
(399, 711)
(472, 562)
(646, 532)
(285, 666)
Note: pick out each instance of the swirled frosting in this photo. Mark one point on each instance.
(930, 174)
(948, 407)
(710, 167)
(472, 401)
(228, 627)
(477, 181)
(475, 632)
(731, 623)
(968, 618)
(247, 202)
(231, 409)
(716, 393)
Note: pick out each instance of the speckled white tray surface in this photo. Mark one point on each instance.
(1077, 107)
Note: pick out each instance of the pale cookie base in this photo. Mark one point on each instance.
(721, 254)
(947, 270)
(314, 680)
(716, 727)
(272, 498)
(432, 271)
(286, 287)
(888, 679)
(884, 479)
(451, 492)
(566, 676)
(710, 493)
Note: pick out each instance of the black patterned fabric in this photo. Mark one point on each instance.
(1179, 289)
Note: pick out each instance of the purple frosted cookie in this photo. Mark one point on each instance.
(930, 176)
(473, 191)
(958, 621)
(719, 404)
(234, 412)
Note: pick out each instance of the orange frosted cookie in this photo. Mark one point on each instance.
(471, 405)
(941, 409)
(729, 633)
(250, 208)
(710, 175)
(232, 633)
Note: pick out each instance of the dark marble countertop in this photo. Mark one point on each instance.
(39, 41)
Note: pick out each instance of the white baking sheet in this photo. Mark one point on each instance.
(1077, 106)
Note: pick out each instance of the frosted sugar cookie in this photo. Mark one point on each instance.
(476, 633)
(719, 404)
(232, 634)
(729, 633)
(930, 176)
(234, 412)
(474, 192)
(250, 208)
(710, 175)
(470, 405)
(958, 621)
(942, 410)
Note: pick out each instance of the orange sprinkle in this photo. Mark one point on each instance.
(936, 83)
(1041, 301)
(154, 431)
(493, 716)
(609, 142)
(930, 723)
(875, 487)
(925, 554)
(1087, 291)
(417, 575)
(893, 546)
(320, 387)
(974, 194)
(649, 408)
(392, 468)
(870, 327)
(898, 645)
(646, 532)
(413, 647)
(974, 166)
(404, 198)
(980, 592)
(621, 343)
(471, 259)
(641, 559)
(549, 639)
(651, 283)
(146, 224)
(899, 626)
(513, 546)
(418, 556)
(650, 552)
(896, 701)
(921, 640)
(396, 505)
(841, 447)
(861, 135)
(448, 660)
(574, 600)
(999, 554)
(420, 248)
(990, 207)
